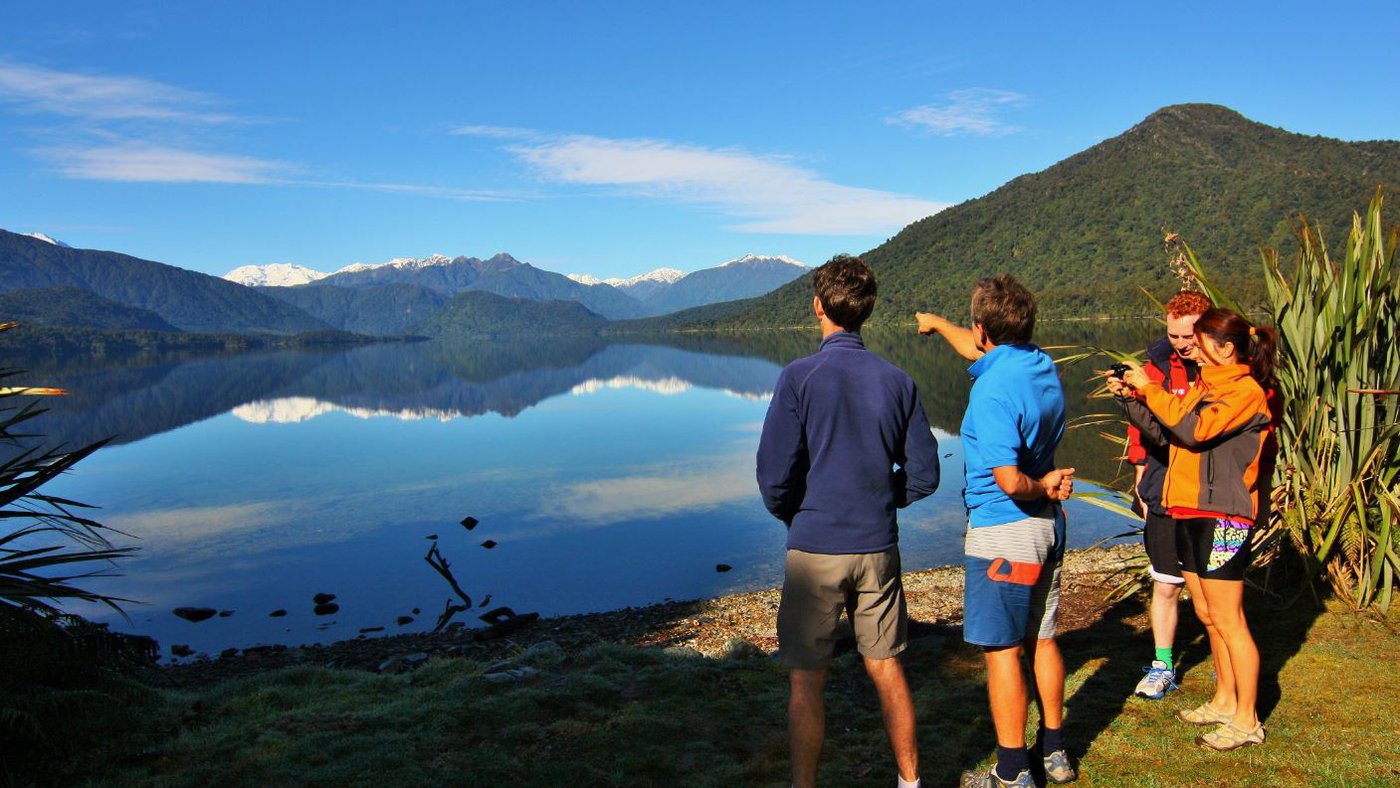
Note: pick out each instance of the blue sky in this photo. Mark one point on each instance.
(612, 137)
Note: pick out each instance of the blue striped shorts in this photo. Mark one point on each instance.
(1011, 588)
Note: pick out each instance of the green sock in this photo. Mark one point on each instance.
(1165, 655)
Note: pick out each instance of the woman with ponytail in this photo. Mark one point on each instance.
(1219, 463)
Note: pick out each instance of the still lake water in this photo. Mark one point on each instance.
(607, 474)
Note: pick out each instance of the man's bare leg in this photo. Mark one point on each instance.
(1006, 689)
(806, 724)
(897, 706)
(1049, 667)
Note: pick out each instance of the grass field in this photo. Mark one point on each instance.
(626, 716)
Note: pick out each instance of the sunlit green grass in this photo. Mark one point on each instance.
(616, 715)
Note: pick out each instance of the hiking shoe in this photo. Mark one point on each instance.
(1159, 680)
(1228, 737)
(1058, 769)
(989, 779)
(1205, 714)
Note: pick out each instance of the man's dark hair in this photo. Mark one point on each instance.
(1005, 309)
(846, 287)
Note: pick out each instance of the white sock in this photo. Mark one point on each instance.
(914, 783)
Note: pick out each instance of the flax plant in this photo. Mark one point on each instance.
(42, 536)
(1337, 496)
(59, 687)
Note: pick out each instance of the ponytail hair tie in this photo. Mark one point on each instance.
(1252, 332)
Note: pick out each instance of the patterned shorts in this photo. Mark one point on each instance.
(1215, 548)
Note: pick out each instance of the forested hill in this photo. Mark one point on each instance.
(187, 300)
(1085, 233)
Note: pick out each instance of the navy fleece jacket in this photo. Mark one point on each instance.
(840, 422)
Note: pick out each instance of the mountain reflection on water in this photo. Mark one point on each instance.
(607, 471)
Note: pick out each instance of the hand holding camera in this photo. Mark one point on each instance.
(1124, 378)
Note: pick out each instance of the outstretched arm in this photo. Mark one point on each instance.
(958, 337)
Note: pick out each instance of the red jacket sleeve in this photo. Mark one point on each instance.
(1137, 453)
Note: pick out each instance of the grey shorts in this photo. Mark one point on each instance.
(816, 588)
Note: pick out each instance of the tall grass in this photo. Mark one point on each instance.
(1337, 496)
(61, 682)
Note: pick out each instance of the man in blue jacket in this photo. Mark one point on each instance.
(845, 445)
(1016, 530)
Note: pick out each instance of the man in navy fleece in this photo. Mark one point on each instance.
(845, 444)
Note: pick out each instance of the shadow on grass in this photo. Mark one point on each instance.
(949, 680)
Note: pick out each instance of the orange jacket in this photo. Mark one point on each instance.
(1216, 433)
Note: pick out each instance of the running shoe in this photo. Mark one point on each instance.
(989, 779)
(1228, 737)
(1205, 714)
(1058, 769)
(1159, 680)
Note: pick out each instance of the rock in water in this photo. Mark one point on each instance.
(195, 614)
(469, 523)
(278, 613)
(323, 598)
(722, 568)
(489, 543)
(327, 609)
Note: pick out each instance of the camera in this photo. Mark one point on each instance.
(1119, 370)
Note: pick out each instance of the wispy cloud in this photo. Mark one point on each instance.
(965, 112)
(123, 128)
(441, 192)
(152, 163)
(770, 194)
(104, 97)
(499, 132)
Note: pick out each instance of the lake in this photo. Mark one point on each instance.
(601, 473)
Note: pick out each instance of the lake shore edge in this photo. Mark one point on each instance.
(720, 627)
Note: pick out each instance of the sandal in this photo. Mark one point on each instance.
(1228, 737)
(1205, 714)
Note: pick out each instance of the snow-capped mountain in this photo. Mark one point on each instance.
(655, 292)
(746, 277)
(292, 275)
(669, 290)
(273, 275)
(48, 239)
(640, 286)
(400, 263)
(759, 259)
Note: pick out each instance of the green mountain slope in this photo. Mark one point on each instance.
(188, 300)
(391, 308)
(73, 306)
(1086, 233)
(478, 314)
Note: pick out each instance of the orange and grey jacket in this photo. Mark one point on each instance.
(1216, 433)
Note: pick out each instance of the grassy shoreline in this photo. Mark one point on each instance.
(628, 699)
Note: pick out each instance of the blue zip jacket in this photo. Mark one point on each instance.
(840, 422)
